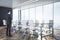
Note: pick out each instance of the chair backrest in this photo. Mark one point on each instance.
(36, 23)
(50, 23)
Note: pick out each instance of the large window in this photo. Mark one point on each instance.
(48, 12)
(22, 14)
(26, 14)
(15, 18)
(39, 16)
(57, 15)
(40, 13)
(15, 14)
(32, 14)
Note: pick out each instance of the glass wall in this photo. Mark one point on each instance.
(15, 17)
(22, 14)
(27, 14)
(23, 17)
(57, 15)
(48, 13)
(40, 13)
(32, 14)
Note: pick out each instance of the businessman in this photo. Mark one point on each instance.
(9, 18)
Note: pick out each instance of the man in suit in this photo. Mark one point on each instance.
(9, 19)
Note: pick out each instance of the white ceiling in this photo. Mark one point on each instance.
(11, 3)
(15, 3)
(6, 3)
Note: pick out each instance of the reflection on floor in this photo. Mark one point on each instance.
(17, 36)
(57, 34)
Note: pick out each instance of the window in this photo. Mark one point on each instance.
(32, 14)
(48, 12)
(39, 16)
(15, 18)
(22, 14)
(15, 14)
(57, 15)
(26, 14)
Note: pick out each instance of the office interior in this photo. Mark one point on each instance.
(30, 19)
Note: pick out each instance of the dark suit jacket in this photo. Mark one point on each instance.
(9, 19)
